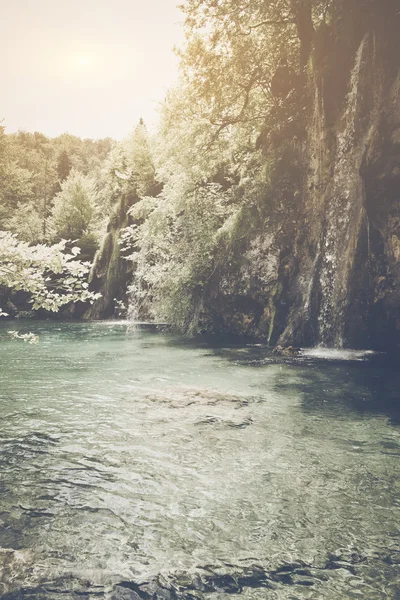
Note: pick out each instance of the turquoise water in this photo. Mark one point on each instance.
(129, 453)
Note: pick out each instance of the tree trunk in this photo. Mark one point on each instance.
(305, 28)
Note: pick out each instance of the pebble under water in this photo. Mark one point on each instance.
(138, 465)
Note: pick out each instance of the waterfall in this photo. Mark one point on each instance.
(344, 212)
(134, 302)
(316, 182)
(368, 247)
(137, 310)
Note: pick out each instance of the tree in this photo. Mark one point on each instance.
(16, 185)
(64, 166)
(52, 276)
(128, 169)
(26, 222)
(140, 161)
(74, 213)
(234, 47)
(31, 160)
(16, 182)
(3, 145)
(242, 73)
(31, 166)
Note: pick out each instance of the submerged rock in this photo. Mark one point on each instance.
(287, 351)
(182, 397)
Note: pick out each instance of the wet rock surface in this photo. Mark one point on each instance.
(320, 262)
(287, 351)
(111, 273)
(318, 259)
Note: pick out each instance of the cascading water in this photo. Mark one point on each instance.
(316, 181)
(135, 291)
(133, 308)
(344, 213)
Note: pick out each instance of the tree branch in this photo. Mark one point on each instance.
(272, 23)
(283, 22)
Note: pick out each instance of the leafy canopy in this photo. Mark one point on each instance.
(51, 275)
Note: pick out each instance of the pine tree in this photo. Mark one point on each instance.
(64, 166)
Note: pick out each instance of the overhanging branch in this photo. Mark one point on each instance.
(278, 23)
(283, 22)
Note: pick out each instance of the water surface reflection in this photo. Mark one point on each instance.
(127, 456)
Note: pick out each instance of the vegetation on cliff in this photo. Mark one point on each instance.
(254, 209)
(237, 113)
(57, 197)
(267, 224)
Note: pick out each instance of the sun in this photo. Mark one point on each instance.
(84, 61)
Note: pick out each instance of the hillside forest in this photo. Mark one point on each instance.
(194, 224)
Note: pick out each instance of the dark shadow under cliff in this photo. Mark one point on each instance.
(323, 264)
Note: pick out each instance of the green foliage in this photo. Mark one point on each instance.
(240, 90)
(140, 162)
(241, 95)
(179, 240)
(52, 276)
(26, 222)
(129, 169)
(32, 167)
(74, 211)
(64, 166)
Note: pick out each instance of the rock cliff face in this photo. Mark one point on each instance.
(324, 267)
(111, 273)
(319, 261)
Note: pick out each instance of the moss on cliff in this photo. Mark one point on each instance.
(111, 273)
(328, 232)
(315, 259)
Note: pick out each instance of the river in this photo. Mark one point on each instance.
(137, 464)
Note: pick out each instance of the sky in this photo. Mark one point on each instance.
(91, 68)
